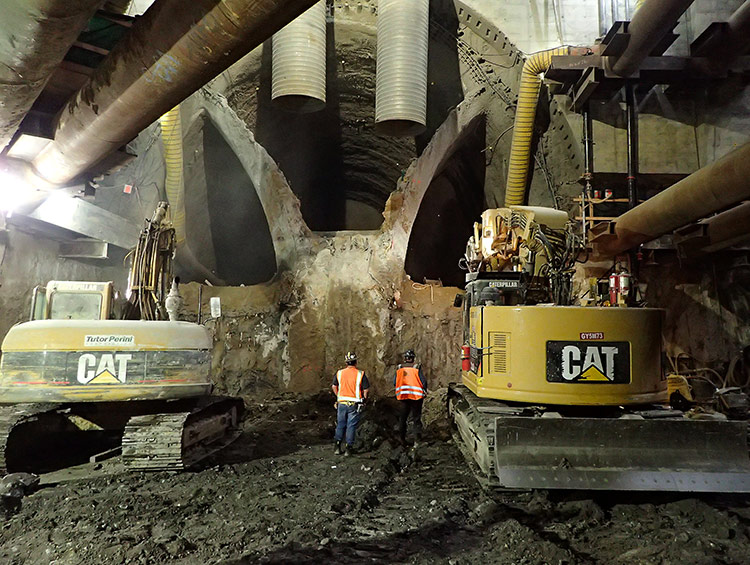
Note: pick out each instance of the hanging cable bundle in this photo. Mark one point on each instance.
(150, 275)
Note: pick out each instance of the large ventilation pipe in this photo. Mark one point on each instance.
(523, 126)
(34, 37)
(401, 79)
(711, 189)
(651, 22)
(170, 52)
(299, 62)
(728, 40)
(738, 29)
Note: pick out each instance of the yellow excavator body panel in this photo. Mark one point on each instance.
(104, 360)
(566, 355)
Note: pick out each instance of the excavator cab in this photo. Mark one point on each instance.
(73, 300)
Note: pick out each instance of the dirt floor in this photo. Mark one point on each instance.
(280, 495)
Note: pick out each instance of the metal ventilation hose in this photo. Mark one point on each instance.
(401, 82)
(299, 62)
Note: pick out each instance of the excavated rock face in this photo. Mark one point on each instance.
(262, 208)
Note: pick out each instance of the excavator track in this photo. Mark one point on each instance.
(643, 448)
(177, 441)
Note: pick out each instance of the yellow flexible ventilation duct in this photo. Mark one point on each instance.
(171, 138)
(523, 127)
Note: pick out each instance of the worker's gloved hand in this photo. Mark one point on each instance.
(335, 405)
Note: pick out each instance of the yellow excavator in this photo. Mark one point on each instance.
(87, 374)
(561, 396)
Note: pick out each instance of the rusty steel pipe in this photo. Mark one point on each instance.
(711, 189)
(169, 53)
(651, 22)
(34, 37)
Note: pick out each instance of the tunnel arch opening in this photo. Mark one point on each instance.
(453, 201)
(239, 231)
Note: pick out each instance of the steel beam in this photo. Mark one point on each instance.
(715, 233)
(648, 28)
(86, 219)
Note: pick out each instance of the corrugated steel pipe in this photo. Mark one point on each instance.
(523, 127)
(401, 75)
(170, 52)
(650, 23)
(174, 186)
(298, 80)
(711, 189)
(35, 34)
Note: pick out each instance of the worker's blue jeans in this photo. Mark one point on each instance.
(347, 419)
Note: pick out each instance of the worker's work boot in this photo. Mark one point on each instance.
(348, 451)
(337, 448)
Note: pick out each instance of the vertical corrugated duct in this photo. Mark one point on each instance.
(174, 186)
(171, 138)
(401, 82)
(523, 127)
(299, 62)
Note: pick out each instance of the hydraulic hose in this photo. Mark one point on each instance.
(523, 127)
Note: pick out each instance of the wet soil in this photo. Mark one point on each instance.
(280, 495)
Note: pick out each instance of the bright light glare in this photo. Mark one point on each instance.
(13, 192)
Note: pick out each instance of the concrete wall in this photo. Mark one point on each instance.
(534, 25)
(28, 259)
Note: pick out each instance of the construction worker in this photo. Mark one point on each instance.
(351, 387)
(411, 388)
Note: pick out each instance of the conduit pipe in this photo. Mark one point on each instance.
(298, 80)
(170, 52)
(174, 186)
(651, 22)
(34, 37)
(401, 74)
(523, 126)
(711, 189)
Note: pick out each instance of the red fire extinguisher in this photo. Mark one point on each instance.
(614, 280)
(465, 362)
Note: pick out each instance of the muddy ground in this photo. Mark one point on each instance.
(279, 495)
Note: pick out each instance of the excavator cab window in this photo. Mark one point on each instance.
(75, 306)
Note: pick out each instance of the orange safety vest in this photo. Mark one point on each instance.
(408, 384)
(350, 384)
